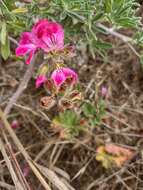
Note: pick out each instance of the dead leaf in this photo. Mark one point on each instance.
(47, 102)
(113, 154)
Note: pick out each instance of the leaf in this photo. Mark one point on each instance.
(3, 33)
(103, 45)
(97, 17)
(95, 122)
(67, 121)
(88, 109)
(112, 154)
(127, 22)
(69, 118)
(20, 10)
(5, 49)
(47, 102)
(117, 150)
(102, 157)
(108, 6)
(54, 178)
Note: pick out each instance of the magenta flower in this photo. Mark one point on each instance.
(50, 35)
(15, 124)
(40, 80)
(59, 76)
(104, 91)
(26, 46)
(25, 171)
(45, 35)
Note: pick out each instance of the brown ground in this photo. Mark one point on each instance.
(122, 73)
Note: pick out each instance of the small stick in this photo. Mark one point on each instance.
(13, 40)
(122, 37)
(114, 33)
(17, 183)
(23, 85)
(23, 151)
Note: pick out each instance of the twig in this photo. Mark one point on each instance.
(23, 151)
(122, 37)
(114, 33)
(13, 40)
(21, 88)
(17, 184)
(6, 186)
(16, 166)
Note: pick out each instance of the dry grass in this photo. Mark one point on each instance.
(70, 164)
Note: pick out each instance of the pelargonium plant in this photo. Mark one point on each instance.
(49, 37)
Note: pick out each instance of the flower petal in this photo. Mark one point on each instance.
(58, 77)
(40, 80)
(70, 73)
(50, 35)
(25, 38)
(24, 49)
(21, 50)
(39, 27)
(31, 54)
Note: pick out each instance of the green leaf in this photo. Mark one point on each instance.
(94, 122)
(69, 121)
(108, 6)
(98, 16)
(69, 118)
(20, 10)
(103, 45)
(3, 33)
(127, 22)
(5, 49)
(89, 110)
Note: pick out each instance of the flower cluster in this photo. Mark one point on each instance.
(49, 37)
(45, 35)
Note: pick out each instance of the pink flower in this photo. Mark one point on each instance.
(15, 124)
(104, 91)
(27, 45)
(50, 35)
(59, 76)
(40, 80)
(45, 35)
(25, 171)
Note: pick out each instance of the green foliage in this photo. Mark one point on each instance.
(89, 109)
(5, 44)
(3, 33)
(121, 12)
(79, 17)
(69, 121)
(94, 114)
(5, 49)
